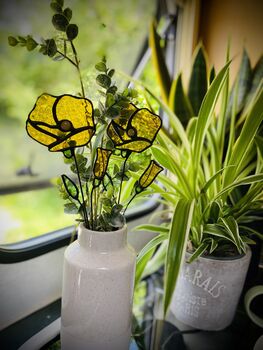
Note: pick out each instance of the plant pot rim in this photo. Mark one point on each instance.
(224, 258)
(81, 227)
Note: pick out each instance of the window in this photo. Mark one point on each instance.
(29, 205)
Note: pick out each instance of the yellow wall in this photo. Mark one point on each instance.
(239, 20)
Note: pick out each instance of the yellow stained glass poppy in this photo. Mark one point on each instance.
(135, 133)
(149, 174)
(61, 122)
(101, 162)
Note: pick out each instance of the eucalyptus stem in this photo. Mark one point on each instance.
(77, 66)
(69, 59)
(85, 214)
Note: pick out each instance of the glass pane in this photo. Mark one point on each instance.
(116, 29)
(29, 214)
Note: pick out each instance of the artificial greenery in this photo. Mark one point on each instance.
(214, 185)
(102, 144)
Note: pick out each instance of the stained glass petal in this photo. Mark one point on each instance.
(101, 162)
(78, 111)
(146, 123)
(150, 174)
(42, 111)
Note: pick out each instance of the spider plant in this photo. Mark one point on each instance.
(214, 184)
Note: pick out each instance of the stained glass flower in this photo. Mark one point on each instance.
(149, 175)
(61, 122)
(135, 133)
(101, 162)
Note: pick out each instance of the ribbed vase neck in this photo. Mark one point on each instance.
(102, 241)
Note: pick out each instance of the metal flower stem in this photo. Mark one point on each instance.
(85, 214)
(131, 199)
(122, 176)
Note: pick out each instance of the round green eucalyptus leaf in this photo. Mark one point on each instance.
(60, 2)
(72, 31)
(55, 7)
(103, 80)
(101, 67)
(112, 112)
(51, 47)
(31, 44)
(60, 22)
(111, 73)
(68, 13)
(12, 41)
(112, 89)
(71, 208)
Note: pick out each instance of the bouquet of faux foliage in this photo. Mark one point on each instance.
(101, 144)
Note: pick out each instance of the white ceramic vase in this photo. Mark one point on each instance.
(208, 290)
(97, 291)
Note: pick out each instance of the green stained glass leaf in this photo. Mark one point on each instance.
(72, 31)
(60, 22)
(70, 187)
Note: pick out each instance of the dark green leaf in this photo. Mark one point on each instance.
(212, 75)
(96, 112)
(257, 76)
(55, 7)
(72, 31)
(22, 40)
(111, 73)
(159, 63)
(112, 112)
(31, 44)
(103, 80)
(198, 81)
(60, 22)
(71, 208)
(179, 102)
(112, 89)
(101, 67)
(68, 13)
(51, 47)
(59, 2)
(243, 83)
(12, 41)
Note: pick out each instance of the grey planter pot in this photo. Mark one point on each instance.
(208, 291)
